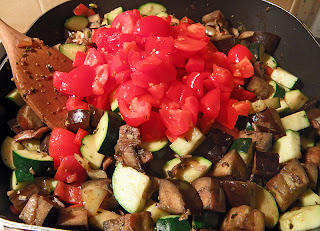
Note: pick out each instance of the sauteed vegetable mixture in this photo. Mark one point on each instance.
(172, 125)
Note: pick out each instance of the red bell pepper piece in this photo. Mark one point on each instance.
(68, 193)
(79, 136)
(242, 107)
(243, 95)
(82, 10)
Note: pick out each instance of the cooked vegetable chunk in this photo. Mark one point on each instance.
(288, 184)
(260, 87)
(73, 218)
(262, 140)
(179, 197)
(211, 193)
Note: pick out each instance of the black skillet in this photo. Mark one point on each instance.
(298, 51)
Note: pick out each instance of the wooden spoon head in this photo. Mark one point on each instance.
(33, 68)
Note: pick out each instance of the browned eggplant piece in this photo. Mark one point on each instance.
(95, 115)
(27, 119)
(31, 134)
(240, 192)
(231, 166)
(243, 218)
(214, 146)
(178, 196)
(20, 198)
(269, 40)
(130, 222)
(268, 121)
(258, 70)
(313, 115)
(259, 87)
(38, 210)
(211, 193)
(312, 171)
(76, 119)
(223, 42)
(128, 136)
(44, 145)
(310, 104)
(73, 218)
(217, 16)
(288, 184)
(262, 140)
(14, 126)
(265, 164)
(312, 156)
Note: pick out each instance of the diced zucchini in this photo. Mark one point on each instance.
(284, 109)
(8, 145)
(70, 49)
(76, 23)
(163, 14)
(114, 103)
(172, 223)
(296, 121)
(268, 205)
(151, 8)
(33, 162)
(304, 218)
(295, 100)
(186, 144)
(260, 105)
(114, 13)
(131, 188)
(278, 90)
(244, 147)
(32, 144)
(88, 150)
(158, 147)
(284, 78)
(288, 147)
(15, 185)
(209, 219)
(15, 97)
(268, 60)
(107, 133)
(193, 168)
(23, 176)
(308, 197)
(156, 213)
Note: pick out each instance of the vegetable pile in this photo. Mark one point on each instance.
(172, 125)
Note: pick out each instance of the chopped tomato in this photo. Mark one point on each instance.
(238, 81)
(205, 123)
(195, 81)
(70, 171)
(79, 59)
(210, 103)
(74, 103)
(239, 52)
(82, 10)
(242, 107)
(268, 70)
(79, 136)
(102, 76)
(152, 26)
(189, 44)
(228, 116)
(242, 69)
(177, 121)
(222, 78)
(197, 31)
(186, 20)
(160, 46)
(191, 104)
(153, 129)
(158, 91)
(135, 112)
(62, 144)
(195, 64)
(68, 193)
(93, 58)
(220, 59)
(126, 21)
(128, 90)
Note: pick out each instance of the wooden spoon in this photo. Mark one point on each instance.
(33, 64)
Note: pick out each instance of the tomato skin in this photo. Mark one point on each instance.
(184, 43)
(209, 104)
(75, 82)
(62, 144)
(68, 193)
(243, 95)
(222, 78)
(119, 62)
(79, 136)
(158, 91)
(126, 21)
(93, 58)
(75, 103)
(153, 129)
(239, 52)
(228, 116)
(135, 112)
(177, 121)
(160, 46)
(197, 31)
(152, 26)
(195, 81)
(220, 59)
(70, 171)
(191, 104)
